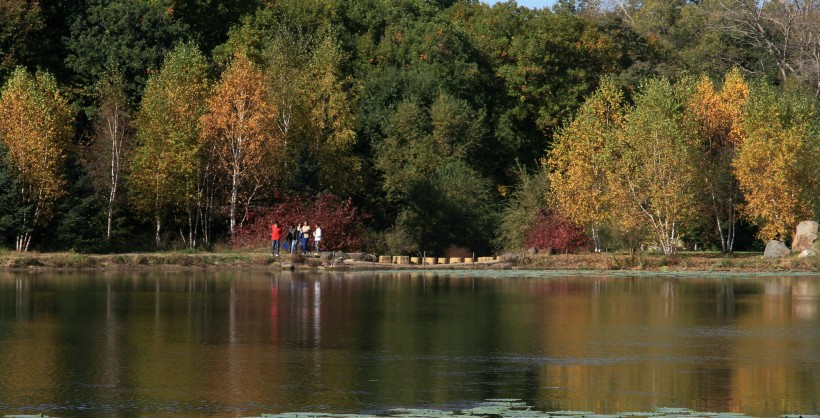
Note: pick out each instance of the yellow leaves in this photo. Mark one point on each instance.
(735, 95)
(35, 125)
(716, 115)
(578, 160)
(330, 120)
(767, 170)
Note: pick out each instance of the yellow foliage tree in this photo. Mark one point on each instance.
(240, 122)
(579, 160)
(776, 164)
(714, 119)
(35, 127)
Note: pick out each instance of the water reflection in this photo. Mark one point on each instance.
(223, 343)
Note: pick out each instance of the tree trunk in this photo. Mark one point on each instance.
(234, 195)
(158, 219)
(110, 217)
(596, 238)
(157, 236)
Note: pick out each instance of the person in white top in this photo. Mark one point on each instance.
(317, 236)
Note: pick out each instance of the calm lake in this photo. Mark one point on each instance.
(247, 343)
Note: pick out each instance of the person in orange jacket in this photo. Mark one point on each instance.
(275, 239)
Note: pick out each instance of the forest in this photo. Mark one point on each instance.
(408, 126)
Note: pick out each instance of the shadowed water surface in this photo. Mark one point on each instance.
(246, 343)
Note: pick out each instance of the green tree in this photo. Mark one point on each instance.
(555, 64)
(167, 163)
(20, 21)
(654, 170)
(11, 207)
(441, 199)
(529, 198)
(126, 36)
(209, 20)
(80, 215)
(421, 140)
(330, 120)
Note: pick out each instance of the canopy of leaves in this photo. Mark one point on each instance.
(126, 36)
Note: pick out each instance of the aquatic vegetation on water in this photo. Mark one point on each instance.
(514, 408)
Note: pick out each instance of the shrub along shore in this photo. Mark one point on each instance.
(687, 261)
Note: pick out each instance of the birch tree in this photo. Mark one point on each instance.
(35, 127)
(580, 158)
(168, 158)
(653, 173)
(107, 153)
(776, 163)
(239, 121)
(714, 118)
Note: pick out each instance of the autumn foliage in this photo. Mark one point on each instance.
(341, 221)
(238, 122)
(552, 232)
(35, 125)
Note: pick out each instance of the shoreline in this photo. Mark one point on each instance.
(639, 262)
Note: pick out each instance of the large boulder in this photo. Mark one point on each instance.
(776, 249)
(805, 236)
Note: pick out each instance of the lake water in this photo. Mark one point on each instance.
(247, 343)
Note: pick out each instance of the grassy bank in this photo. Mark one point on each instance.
(33, 260)
(688, 261)
(698, 261)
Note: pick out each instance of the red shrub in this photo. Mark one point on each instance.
(341, 222)
(553, 232)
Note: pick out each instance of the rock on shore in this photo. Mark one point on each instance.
(776, 249)
(805, 236)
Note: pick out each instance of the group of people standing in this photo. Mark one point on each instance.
(295, 238)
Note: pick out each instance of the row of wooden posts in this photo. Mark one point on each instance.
(400, 259)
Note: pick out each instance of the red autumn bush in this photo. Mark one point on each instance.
(553, 232)
(341, 222)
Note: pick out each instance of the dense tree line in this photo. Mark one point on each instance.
(129, 124)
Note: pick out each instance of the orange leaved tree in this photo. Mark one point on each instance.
(35, 127)
(714, 119)
(239, 121)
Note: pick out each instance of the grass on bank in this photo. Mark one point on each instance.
(685, 261)
(73, 260)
